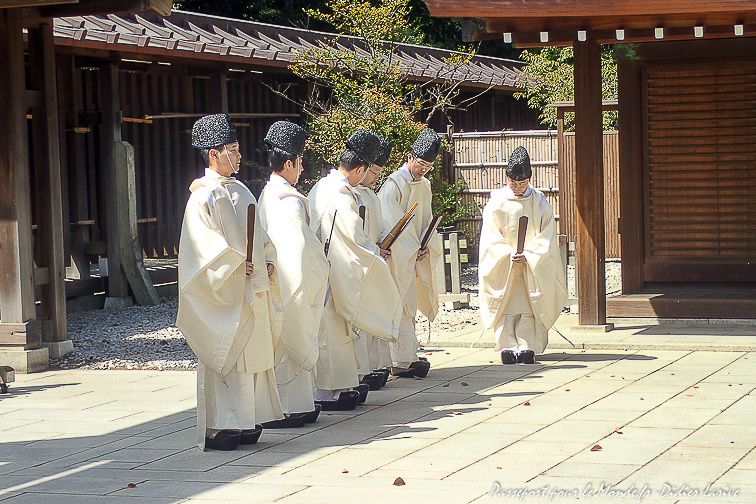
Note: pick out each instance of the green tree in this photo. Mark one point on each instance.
(361, 84)
(549, 79)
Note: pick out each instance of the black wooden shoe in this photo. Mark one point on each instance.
(288, 422)
(373, 380)
(508, 357)
(310, 416)
(362, 390)
(251, 436)
(420, 368)
(347, 401)
(386, 372)
(526, 357)
(225, 440)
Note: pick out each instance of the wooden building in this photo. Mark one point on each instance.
(687, 112)
(103, 171)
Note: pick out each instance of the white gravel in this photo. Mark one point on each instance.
(145, 337)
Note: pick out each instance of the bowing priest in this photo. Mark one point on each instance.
(301, 274)
(224, 304)
(412, 266)
(521, 293)
(361, 292)
(373, 353)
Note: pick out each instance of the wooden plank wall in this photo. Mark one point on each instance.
(165, 161)
(480, 160)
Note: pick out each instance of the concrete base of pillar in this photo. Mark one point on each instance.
(59, 348)
(25, 361)
(116, 303)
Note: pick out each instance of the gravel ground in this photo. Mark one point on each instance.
(145, 337)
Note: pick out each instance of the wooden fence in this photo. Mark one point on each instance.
(480, 159)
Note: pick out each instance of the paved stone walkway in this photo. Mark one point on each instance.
(579, 425)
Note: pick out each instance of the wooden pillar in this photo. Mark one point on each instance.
(49, 201)
(219, 93)
(589, 184)
(20, 330)
(17, 308)
(561, 173)
(631, 176)
(110, 132)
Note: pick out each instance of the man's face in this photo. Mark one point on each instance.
(226, 160)
(371, 175)
(518, 186)
(417, 166)
(292, 170)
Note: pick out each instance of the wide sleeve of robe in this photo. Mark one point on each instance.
(301, 275)
(212, 280)
(360, 281)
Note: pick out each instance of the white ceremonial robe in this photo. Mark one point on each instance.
(372, 353)
(415, 279)
(301, 279)
(520, 301)
(361, 291)
(224, 314)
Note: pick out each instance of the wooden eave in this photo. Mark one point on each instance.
(531, 23)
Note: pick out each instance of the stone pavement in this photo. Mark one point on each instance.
(629, 334)
(578, 425)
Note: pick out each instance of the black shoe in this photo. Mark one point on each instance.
(251, 436)
(422, 358)
(362, 390)
(347, 401)
(225, 440)
(526, 357)
(374, 380)
(508, 357)
(310, 416)
(386, 372)
(289, 422)
(420, 368)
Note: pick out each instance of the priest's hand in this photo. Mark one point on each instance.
(385, 253)
(422, 253)
(519, 258)
(250, 267)
(271, 269)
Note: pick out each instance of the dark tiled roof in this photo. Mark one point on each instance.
(189, 34)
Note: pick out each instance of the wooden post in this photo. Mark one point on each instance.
(130, 251)
(48, 181)
(589, 184)
(20, 332)
(631, 176)
(561, 167)
(111, 135)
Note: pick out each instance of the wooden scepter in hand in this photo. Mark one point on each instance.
(400, 226)
(521, 230)
(251, 214)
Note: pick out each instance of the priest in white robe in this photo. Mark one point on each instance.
(521, 294)
(412, 266)
(373, 353)
(301, 275)
(225, 312)
(361, 291)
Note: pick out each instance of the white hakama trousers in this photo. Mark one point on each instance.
(296, 387)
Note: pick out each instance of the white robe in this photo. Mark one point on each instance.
(224, 314)
(536, 288)
(416, 280)
(372, 353)
(361, 291)
(301, 279)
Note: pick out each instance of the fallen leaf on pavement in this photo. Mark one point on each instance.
(399, 482)
(464, 384)
(131, 485)
(596, 448)
(526, 403)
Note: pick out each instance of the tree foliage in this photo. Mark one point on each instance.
(360, 83)
(549, 79)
